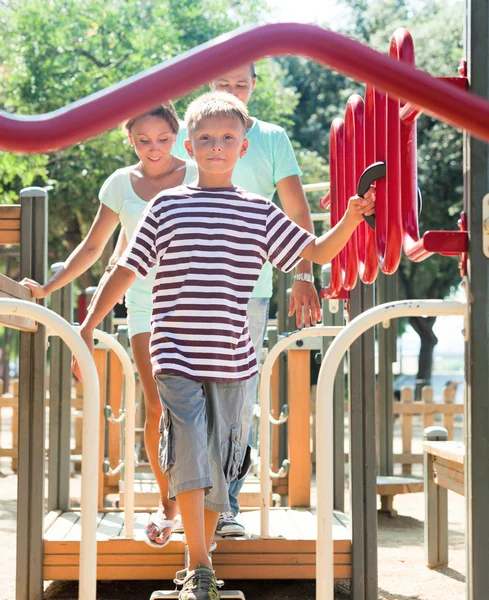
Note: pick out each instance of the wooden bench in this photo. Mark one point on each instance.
(444, 470)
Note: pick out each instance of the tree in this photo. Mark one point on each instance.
(68, 50)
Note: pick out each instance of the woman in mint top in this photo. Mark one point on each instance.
(123, 198)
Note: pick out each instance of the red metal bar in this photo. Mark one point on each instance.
(367, 253)
(448, 243)
(410, 112)
(336, 178)
(104, 110)
(354, 167)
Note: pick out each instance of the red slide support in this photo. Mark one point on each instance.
(384, 129)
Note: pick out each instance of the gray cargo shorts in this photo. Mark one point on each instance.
(202, 443)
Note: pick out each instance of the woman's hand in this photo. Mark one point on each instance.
(304, 302)
(37, 290)
(87, 337)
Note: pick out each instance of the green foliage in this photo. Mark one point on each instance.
(58, 51)
(19, 171)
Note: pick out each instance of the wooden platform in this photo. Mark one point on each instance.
(290, 554)
(147, 492)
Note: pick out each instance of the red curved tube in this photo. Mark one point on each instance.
(336, 188)
(367, 253)
(354, 167)
(106, 109)
(402, 47)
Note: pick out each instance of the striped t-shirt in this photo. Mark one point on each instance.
(208, 246)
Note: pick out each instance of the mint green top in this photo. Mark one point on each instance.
(118, 194)
(270, 158)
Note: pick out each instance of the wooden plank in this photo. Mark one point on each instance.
(100, 358)
(111, 525)
(448, 464)
(391, 486)
(299, 432)
(142, 572)
(61, 527)
(50, 518)
(427, 398)
(450, 450)
(408, 458)
(74, 534)
(9, 225)
(454, 474)
(305, 523)
(418, 408)
(448, 399)
(116, 378)
(449, 484)
(159, 559)
(10, 212)
(13, 289)
(9, 236)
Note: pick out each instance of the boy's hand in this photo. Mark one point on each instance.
(87, 337)
(358, 206)
(37, 290)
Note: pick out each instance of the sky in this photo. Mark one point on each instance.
(306, 11)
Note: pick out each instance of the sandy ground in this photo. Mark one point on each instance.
(402, 572)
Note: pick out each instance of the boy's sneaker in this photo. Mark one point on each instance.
(228, 526)
(200, 584)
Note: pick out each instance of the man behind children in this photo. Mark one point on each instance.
(208, 243)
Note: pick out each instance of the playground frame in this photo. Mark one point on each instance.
(470, 112)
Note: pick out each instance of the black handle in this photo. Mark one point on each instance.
(371, 174)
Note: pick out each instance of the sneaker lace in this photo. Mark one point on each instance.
(228, 517)
(202, 579)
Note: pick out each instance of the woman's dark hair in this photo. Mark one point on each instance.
(165, 111)
(253, 70)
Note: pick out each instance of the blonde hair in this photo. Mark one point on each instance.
(165, 111)
(215, 104)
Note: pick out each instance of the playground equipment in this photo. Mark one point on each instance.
(444, 470)
(439, 98)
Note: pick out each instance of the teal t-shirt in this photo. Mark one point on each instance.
(118, 194)
(270, 158)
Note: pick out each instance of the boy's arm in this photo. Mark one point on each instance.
(113, 288)
(322, 250)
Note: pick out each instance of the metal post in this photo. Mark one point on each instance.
(436, 506)
(32, 368)
(386, 335)
(283, 309)
(363, 492)
(60, 404)
(476, 171)
(333, 314)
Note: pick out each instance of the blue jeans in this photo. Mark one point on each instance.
(258, 317)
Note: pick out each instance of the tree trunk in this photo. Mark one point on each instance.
(424, 328)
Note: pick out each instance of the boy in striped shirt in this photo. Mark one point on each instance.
(208, 242)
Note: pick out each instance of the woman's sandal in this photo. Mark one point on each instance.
(160, 524)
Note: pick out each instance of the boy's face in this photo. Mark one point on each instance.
(216, 144)
(239, 82)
